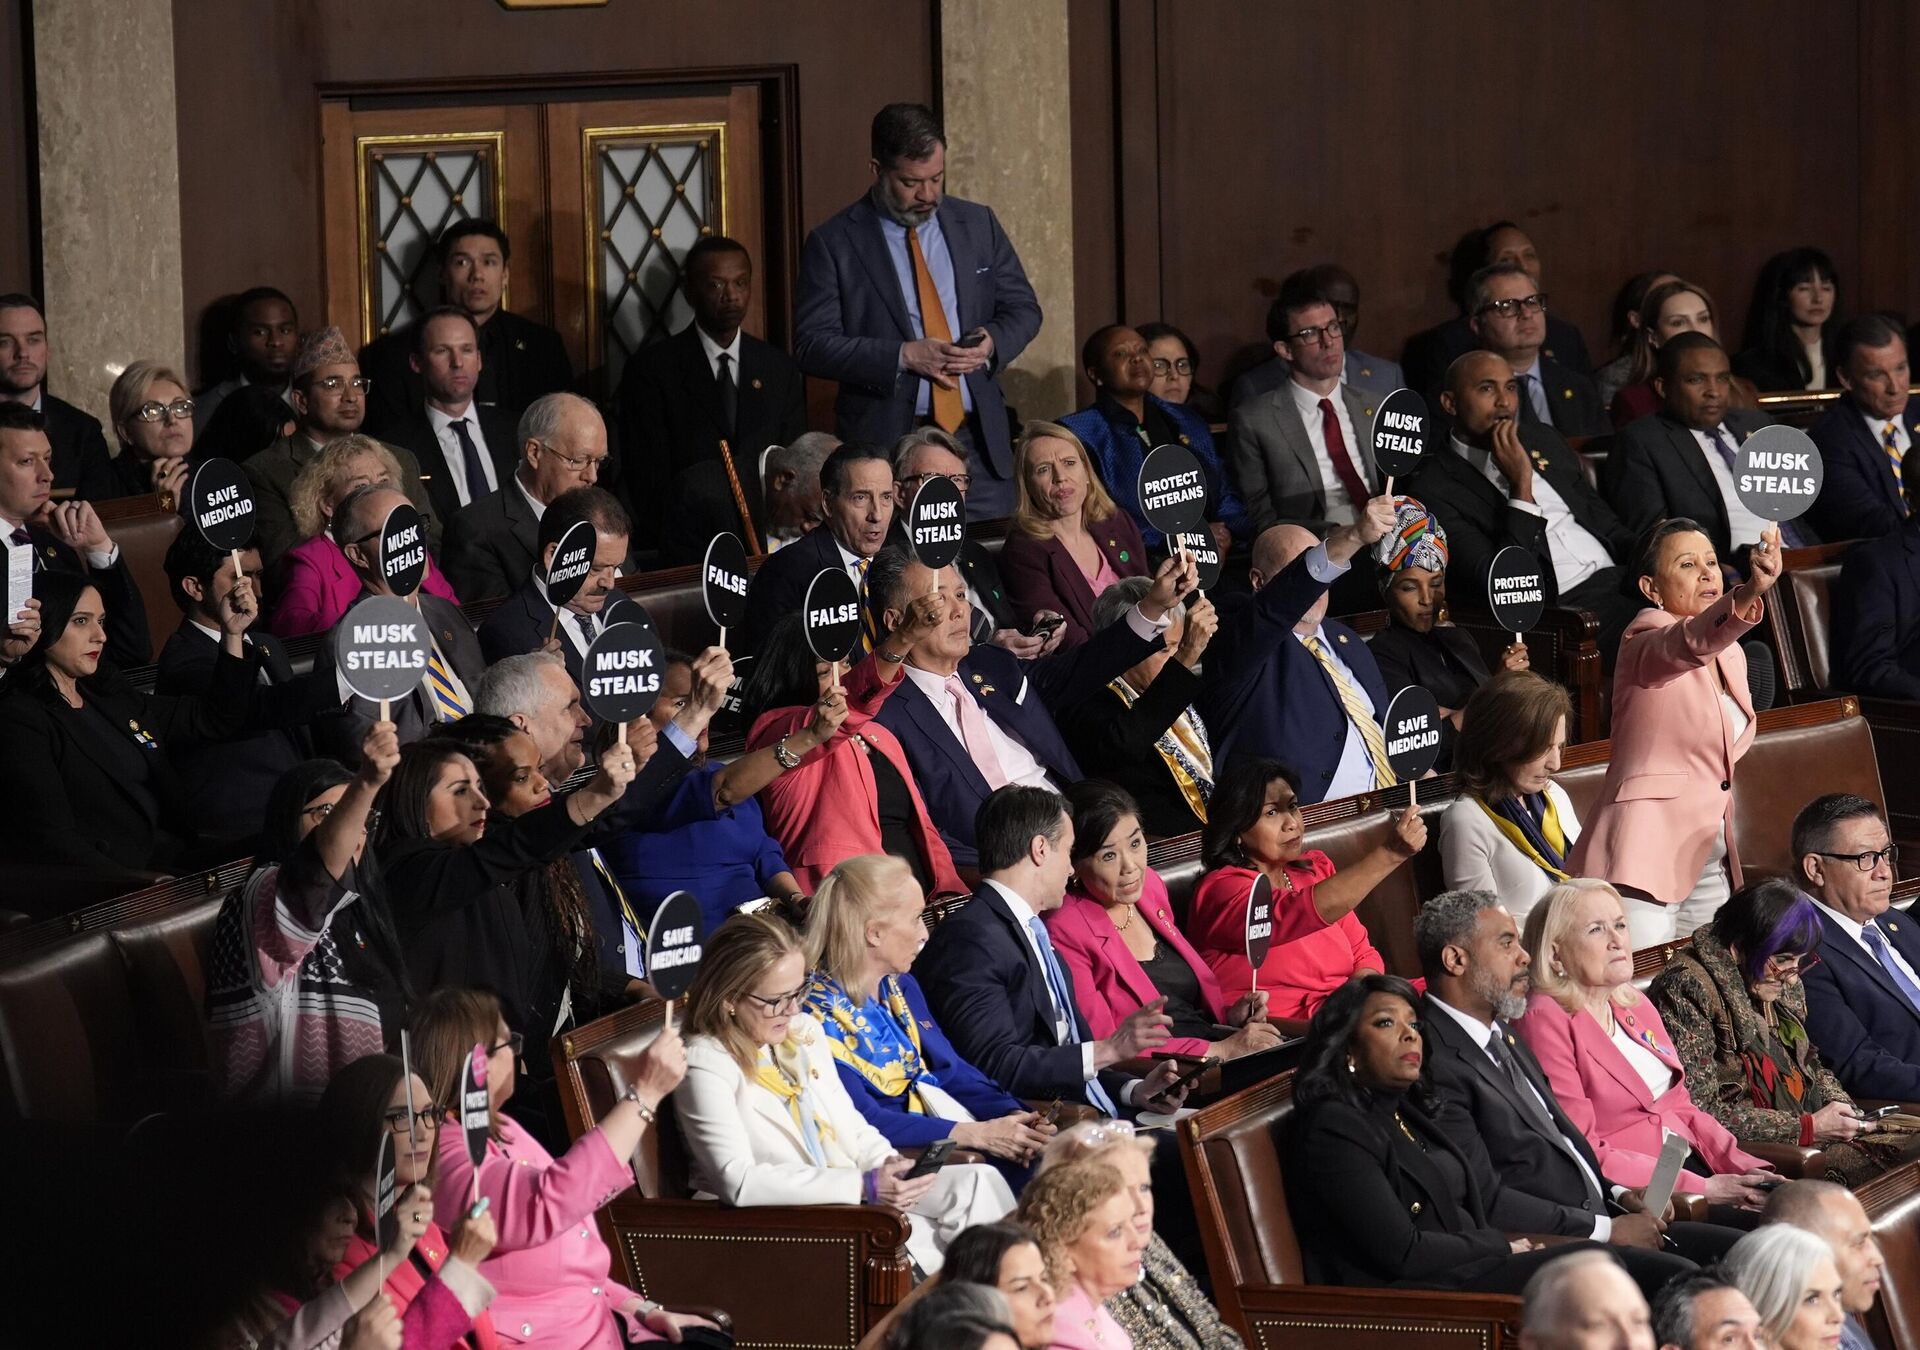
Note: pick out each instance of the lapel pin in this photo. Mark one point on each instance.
(977, 679)
(1366, 412)
(1567, 392)
(520, 344)
(756, 384)
(1343, 637)
(1185, 441)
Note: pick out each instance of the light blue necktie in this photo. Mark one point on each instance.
(1063, 1005)
(1537, 396)
(1877, 944)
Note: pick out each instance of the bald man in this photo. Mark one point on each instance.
(1835, 1215)
(1584, 1301)
(1500, 481)
(1289, 684)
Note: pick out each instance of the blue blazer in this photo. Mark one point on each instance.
(950, 782)
(1876, 617)
(1859, 499)
(1117, 454)
(1268, 696)
(989, 993)
(1863, 1028)
(850, 320)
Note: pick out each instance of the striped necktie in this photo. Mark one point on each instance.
(867, 638)
(1890, 439)
(445, 700)
(636, 936)
(1357, 713)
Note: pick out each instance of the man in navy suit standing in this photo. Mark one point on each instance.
(1863, 996)
(1290, 684)
(915, 302)
(1866, 434)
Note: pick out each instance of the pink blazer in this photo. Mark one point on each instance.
(827, 810)
(431, 1318)
(1669, 785)
(1081, 1324)
(318, 585)
(550, 1268)
(1041, 574)
(1108, 982)
(1609, 1103)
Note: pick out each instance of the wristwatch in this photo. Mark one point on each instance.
(784, 757)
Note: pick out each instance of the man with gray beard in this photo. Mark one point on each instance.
(1476, 970)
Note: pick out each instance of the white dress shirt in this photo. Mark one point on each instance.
(1852, 927)
(714, 350)
(1355, 772)
(1653, 1070)
(443, 432)
(851, 561)
(1742, 524)
(1023, 913)
(1575, 551)
(1341, 509)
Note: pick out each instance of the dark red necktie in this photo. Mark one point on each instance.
(1343, 467)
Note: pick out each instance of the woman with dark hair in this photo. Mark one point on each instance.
(1115, 934)
(1002, 1257)
(1381, 1195)
(1176, 371)
(1792, 323)
(307, 973)
(848, 789)
(90, 780)
(954, 1317)
(1733, 1002)
(1254, 828)
(1623, 328)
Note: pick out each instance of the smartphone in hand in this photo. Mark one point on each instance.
(932, 1160)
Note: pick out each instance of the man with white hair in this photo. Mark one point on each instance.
(1584, 1301)
(1835, 1215)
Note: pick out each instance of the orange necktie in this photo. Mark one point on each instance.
(948, 412)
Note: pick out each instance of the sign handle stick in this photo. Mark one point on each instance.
(669, 1014)
(383, 711)
(1413, 792)
(723, 637)
(554, 632)
(1389, 488)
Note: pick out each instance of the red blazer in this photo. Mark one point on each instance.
(429, 1313)
(827, 810)
(1609, 1102)
(1108, 981)
(1041, 574)
(1309, 958)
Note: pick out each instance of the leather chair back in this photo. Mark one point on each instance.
(1892, 1202)
(1799, 623)
(68, 1036)
(596, 1064)
(144, 532)
(166, 963)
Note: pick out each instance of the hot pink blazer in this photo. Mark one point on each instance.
(318, 585)
(1609, 1103)
(1669, 785)
(826, 811)
(1108, 981)
(430, 1316)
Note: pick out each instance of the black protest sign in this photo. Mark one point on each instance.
(1172, 489)
(381, 648)
(1516, 589)
(1413, 732)
(674, 945)
(220, 504)
(937, 522)
(1205, 554)
(723, 580)
(403, 550)
(572, 560)
(620, 677)
(475, 1122)
(1778, 472)
(386, 1220)
(1259, 920)
(1400, 435)
(832, 614)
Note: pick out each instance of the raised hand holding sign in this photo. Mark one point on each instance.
(620, 675)
(219, 501)
(1400, 435)
(1413, 736)
(937, 525)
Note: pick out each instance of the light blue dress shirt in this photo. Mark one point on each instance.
(933, 243)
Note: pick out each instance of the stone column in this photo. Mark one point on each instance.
(1004, 100)
(109, 191)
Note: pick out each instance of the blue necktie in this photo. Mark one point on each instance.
(1877, 944)
(1063, 1004)
(1537, 398)
(475, 471)
(1790, 536)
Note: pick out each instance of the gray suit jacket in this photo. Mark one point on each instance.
(1273, 461)
(492, 545)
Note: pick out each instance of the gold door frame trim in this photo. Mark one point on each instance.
(589, 187)
(451, 140)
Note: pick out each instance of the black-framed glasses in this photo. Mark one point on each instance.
(514, 1042)
(1867, 861)
(780, 1003)
(1523, 304)
(1162, 366)
(180, 410)
(1317, 336)
(333, 384)
(427, 1118)
(962, 481)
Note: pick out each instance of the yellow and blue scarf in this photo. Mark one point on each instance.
(878, 1039)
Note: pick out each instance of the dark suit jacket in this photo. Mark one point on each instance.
(1265, 693)
(338, 732)
(989, 994)
(1656, 468)
(1876, 617)
(1428, 354)
(1041, 574)
(850, 320)
(81, 461)
(1115, 742)
(521, 624)
(520, 360)
(702, 505)
(1858, 1019)
(1573, 401)
(1860, 497)
(1445, 662)
(415, 433)
(780, 585)
(129, 642)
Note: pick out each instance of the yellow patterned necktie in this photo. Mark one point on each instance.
(444, 697)
(1890, 439)
(867, 637)
(1356, 713)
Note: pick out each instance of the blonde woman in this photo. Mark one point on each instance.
(153, 417)
(1790, 1277)
(1069, 541)
(765, 1117)
(317, 583)
(1082, 1215)
(1610, 1060)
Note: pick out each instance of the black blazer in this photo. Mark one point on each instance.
(81, 461)
(520, 360)
(1573, 401)
(129, 642)
(1115, 742)
(702, 505)
(1876, 617)
(1444, 662)
(338, 731)
(492, 545)
(780, 585)
(1860, 498)
(415, 433)
(1656, 468)
(1427, 354)
(522, 623)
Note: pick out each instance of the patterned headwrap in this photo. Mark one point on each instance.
(322, 347)
(1416, 541)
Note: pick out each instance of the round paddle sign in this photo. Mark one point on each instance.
(1516, 589)
(381, 647)
(723, 580)
(1259, 920)
(403, 550)
(1205, 554)
(937, 522)
(620, 677)
(832, 614)
(572, 560)
(1413, 733)
(1172, 489)
(220, 500)
(1778, 472)
(673, 945)
(475, 1121)
(1400, 433)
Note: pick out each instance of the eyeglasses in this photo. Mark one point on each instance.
(1162, 366)
(1525, 304)
(514, 1042)
(427, 1118)
(325, 809)
(962, 481)
(1318, 336)
(780, 1003)
(578, 463)
(1869, 860)
(334, 383)
(177, 411)
(1783, 964)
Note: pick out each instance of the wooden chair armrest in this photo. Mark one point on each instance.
(1689, 1208)
(1332, 1318)
(1789, 1160)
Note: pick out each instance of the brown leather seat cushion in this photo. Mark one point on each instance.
(69, 1034)
(166, 962)
(1803, 627)
(1892, 1202)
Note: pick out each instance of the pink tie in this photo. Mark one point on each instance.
(973, 731)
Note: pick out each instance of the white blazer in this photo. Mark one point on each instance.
(1474, 855)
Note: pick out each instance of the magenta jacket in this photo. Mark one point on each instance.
(318, 585)
(1108, 981)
